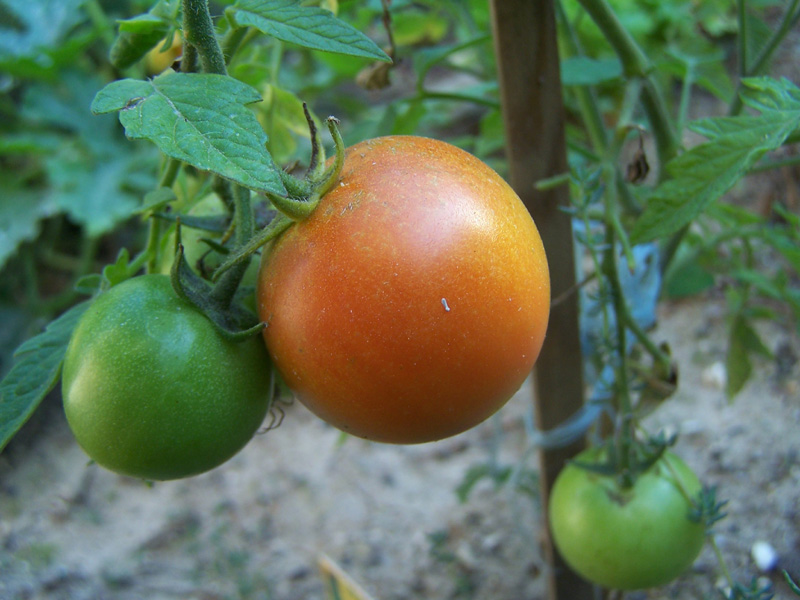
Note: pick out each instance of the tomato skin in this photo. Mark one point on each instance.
(626, 538)
(152, 390)
(413, 302)
(157, 61)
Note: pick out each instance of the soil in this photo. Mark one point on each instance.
(390, 516)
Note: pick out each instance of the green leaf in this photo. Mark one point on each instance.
(37, 24)
(688, 278)
(499, 475)
(703, 174)
(418, 26)
(129, 48)
(97, 192)
(64, 106)
(743, 342)
(137, 36)
(308, 26)
(426, 58)
(36, 371)
(284, 110)
(118, 271)
(95, 176)
(29, 142)
(758, 34)
(33, 32)
(581, 70)
(788, 248)
(20, 213)
(794, 587)
(89, 285)
(199, 119)
(760, 281)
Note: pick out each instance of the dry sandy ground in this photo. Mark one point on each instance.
(256, 527)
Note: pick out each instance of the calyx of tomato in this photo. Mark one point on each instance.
(304, 194)
(216, 302)
(626, 462)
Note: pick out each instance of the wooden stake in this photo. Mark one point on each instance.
(530, 86)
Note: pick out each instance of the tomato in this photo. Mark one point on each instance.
(158, 61)
(626, 539)
(152, 390)
(413, 302)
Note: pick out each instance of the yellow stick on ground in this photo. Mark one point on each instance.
(338, 584)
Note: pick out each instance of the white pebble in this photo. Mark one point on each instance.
(764, 555)
(715, 376)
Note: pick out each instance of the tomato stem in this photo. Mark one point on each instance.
(304, 195)
(225, 287)
(636, 65)
(317, 162)
(170, 169)
(277, 226)
(331, 175)
(723, 566)
(625, 425)
(293, 208)
(232, 41)
(198, 30)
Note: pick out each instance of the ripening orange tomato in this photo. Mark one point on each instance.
(413, 302)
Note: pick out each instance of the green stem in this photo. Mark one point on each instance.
(100, 21)
(224, 189)
(720, 560)
(793, 138)
(200, 33)
(276, 227)
(788, 21)
(667, 142)
(634, 61)
(454, 97)
(198, 30)
(768, 165)
(635, 65)
(587, 100)
(232, 40)
(670, 248)
(189, 59)
(150, 254)
(741, 44)
(625, 433)
(243, 215)
(686, 96)
(81, 266)
(170, 173)
(225, 288)
(618, 298)
(649, 345)
(331, 175)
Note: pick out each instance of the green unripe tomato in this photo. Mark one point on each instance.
(626, 538)
(152, 390)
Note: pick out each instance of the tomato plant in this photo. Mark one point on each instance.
(201, 255)
(407, 302)
(627, 537)
(152, 389)
(414, 300)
